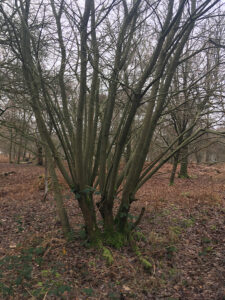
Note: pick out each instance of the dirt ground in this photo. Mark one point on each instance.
(182, 235)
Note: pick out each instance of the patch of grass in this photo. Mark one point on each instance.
(176, 229)
(17, 272)
(174, 233)
(205, 240)
(139, 236)
(19, 222)
(213, 227)
(186, 223)
(206, 247)
(174, 275)
(92, 263)
(88, 291)
(114, 296)
(205, 251)
(170, 251)
(172, 272)
(53, 287)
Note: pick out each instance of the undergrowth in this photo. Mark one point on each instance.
(17, 273)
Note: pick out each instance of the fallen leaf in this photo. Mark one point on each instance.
(126, 288)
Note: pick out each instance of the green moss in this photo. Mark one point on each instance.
(146, 264)
(96, 241)
(108, 256)
(114, 239)
(89, 201)
(183, 176)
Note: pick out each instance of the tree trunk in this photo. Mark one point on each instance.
(198, 156)
(46, 179)
(25, 149)
(14, 147)
(128, 151)
(10, 146)
(207, 156)
(105, 207)
(122, 216)
(39, 155)
(88, 210)
(184, 163)
(63, 217)
(175, 163)
(19, 149)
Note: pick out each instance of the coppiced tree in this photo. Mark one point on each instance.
(116, 57)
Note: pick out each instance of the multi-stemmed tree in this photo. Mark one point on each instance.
(93, 69)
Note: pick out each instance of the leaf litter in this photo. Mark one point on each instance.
(181, 234)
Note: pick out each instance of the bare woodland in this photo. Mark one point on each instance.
(99, 88)
(112, 120)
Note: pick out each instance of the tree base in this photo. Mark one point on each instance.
(183, 176)
(114, 239)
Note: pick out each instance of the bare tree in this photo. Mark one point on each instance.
(97, 72)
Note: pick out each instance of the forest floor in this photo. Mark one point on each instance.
(182, 234)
